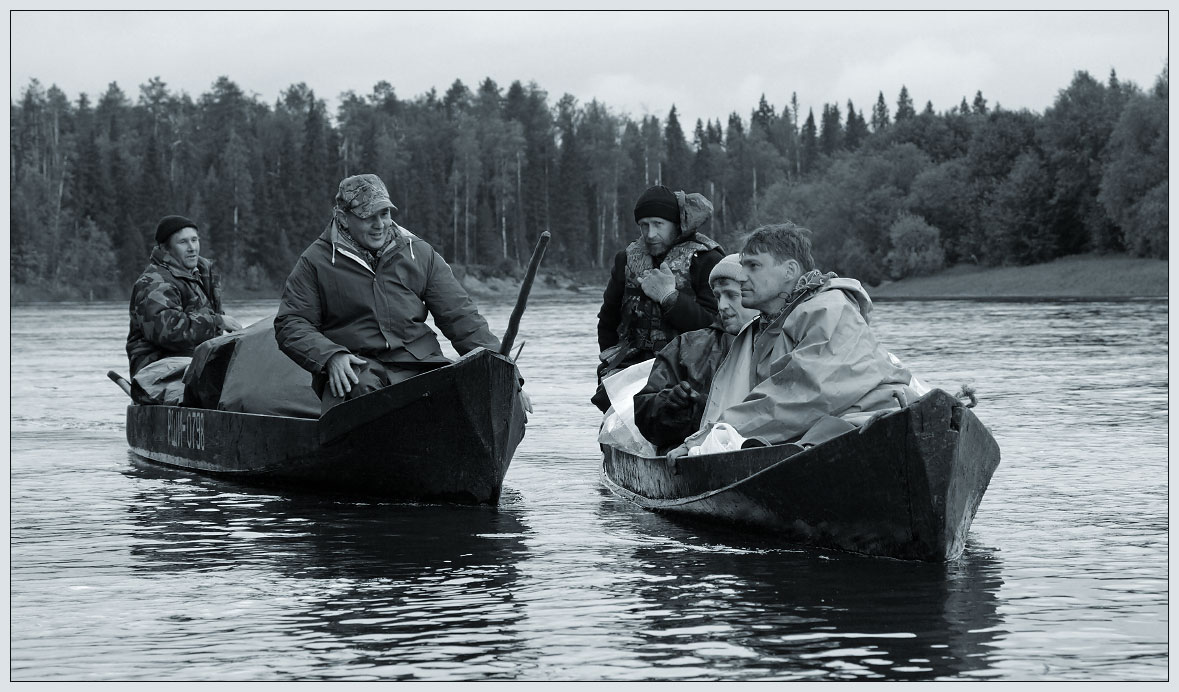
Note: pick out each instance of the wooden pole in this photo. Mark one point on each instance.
(505, 347)
(118, 379)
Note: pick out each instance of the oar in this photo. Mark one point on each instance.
(505, 347)
(118, 379)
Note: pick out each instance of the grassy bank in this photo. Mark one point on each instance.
(1078, 276)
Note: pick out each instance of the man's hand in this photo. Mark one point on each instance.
(340, 374)
(657, 284)
(676, 454)
(230, 325)
(526, 401)
(681, 396)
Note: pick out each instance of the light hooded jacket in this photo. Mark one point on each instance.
(173, 309)
(335, 302)
(816, 359)
(692, 358)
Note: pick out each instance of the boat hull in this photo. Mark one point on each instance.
(907, 486)
(445, 435)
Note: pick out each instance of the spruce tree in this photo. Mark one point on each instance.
(679, 159)
(904, 105)
(980, 103)
(879, 114)
(809, 147)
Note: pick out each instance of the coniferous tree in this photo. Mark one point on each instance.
(880, 114)
(679, 159)
(830, 130)
(856, 130)
(980, 103)
(809, 147)
(904, 105)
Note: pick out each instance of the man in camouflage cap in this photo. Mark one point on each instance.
(176, 301)
(353, 310)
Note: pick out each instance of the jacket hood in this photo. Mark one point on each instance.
(855, 290)
(695, 211)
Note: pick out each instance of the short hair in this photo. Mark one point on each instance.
(782, 241)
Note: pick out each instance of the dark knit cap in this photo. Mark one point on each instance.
(660, 202)
(171, 224)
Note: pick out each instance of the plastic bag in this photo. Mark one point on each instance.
(618, 425)
(721, 438)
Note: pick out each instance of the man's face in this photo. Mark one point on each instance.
(372, 232)
(185, 247)
(657, 234)
(767, 281)
(732, 313)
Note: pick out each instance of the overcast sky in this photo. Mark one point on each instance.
(706, 63)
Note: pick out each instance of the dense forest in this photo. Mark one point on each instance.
(889, 190)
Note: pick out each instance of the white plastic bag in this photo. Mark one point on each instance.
(618, 426)
(721, 438)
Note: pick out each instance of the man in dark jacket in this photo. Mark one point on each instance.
(658, 288)
(669, 407)
(176, 301)
(353, 310)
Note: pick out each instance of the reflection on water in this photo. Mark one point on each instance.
(408, 587)
(123, 570)
(714, 603)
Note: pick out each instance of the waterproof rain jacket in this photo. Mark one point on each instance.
(173, 310)
(334, 302)
(692, 358)
(818, 360)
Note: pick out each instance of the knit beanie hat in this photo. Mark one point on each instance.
(728, 268)
(660, 202)
(169, 225)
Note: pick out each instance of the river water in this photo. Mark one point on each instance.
(123, 570)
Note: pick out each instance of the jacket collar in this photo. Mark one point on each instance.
(339, 244)
(161, 257)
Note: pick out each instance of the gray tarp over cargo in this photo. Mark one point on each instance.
(245, 372)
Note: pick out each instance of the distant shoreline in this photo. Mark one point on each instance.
(1077, 277)
(1080, 277)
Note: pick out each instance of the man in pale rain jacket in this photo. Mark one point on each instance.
(809, 368)
(353, 310)
(658, 287)
(669, 408)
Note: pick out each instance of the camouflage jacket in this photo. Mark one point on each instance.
(172, 309)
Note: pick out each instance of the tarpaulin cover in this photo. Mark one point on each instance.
(160, 382)
(245, 372)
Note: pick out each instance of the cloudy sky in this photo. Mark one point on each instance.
(706, 63)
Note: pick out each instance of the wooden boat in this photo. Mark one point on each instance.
(445, 435)
(906, 486)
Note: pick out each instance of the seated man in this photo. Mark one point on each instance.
(809, 368)
(359, 296)
(176, 301)
(670, 406)
(658, 288)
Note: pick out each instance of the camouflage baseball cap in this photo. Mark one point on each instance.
(363, 195)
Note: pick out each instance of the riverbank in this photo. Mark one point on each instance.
(1090, 277)
(1093, 277)
(480, 282)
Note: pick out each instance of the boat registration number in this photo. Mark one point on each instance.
(186, 428)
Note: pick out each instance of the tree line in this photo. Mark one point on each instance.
(888, 191)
